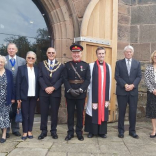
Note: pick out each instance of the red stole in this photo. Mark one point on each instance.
(101, 104)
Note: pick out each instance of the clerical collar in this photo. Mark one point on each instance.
(100, 63)
(76, 61)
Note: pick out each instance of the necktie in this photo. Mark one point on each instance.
(128, 66)
(51, 63)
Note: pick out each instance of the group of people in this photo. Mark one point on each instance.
(22, 84)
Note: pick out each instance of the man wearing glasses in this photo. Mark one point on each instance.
(50, 79)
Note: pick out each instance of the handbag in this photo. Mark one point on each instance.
(18, 117)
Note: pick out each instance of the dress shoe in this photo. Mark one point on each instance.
(134, 135)
(69, 137)
(103, 135)
(54, 135)
(90, 135)
(30, 136)
(16, 133)
(24, 137)
(2, 140)
(121, 135)
(42, 136)
(7, 135)
(80, 137)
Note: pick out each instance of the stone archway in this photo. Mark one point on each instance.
(63, 20)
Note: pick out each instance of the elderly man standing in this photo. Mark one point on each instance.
(76, 81)
(13, 62)
(128, 76)
(99, 96)
(50, 80)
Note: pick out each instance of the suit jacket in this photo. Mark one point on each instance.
(22, 83)
(69, 74)
(46, 81)
(10, 88)
(122, 77)
(150, 78)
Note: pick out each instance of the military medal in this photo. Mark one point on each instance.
(81, 68)
(13, 68)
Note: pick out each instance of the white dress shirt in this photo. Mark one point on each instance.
(49, 61)
(31, 81)
(12, 57)
(130, 61)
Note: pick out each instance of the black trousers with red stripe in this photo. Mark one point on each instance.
(71, 105)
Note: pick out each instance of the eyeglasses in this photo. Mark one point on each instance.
(51, 53)
(31, 58)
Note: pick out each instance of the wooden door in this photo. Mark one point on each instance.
(99, 28)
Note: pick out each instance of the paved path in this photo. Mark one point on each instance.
(111, 146)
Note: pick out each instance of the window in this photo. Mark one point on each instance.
(22, 23)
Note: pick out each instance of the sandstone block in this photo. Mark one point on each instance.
(124, 9)
(143, 14)
(141, 51)
(123, 19)
(123, 33)
(147, 33)
(134, 34)
(153, 47)
(122, 45)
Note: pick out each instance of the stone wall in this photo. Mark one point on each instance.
(124, 18)
(136, 26)
(143, 39)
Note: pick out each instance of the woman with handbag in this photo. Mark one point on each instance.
(6, 97)
(27, 93)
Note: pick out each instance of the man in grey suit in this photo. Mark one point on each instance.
(13, 62)
(128, 76)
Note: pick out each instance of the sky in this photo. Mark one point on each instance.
(19, 17)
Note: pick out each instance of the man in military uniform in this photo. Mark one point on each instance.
(76, 80)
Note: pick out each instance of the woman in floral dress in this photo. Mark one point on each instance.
(6, 97)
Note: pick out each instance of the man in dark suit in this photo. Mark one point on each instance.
(50, 80)
(13, 62)
(76, 80)
(128, 76)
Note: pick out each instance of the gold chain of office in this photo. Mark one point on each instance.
(51, 70)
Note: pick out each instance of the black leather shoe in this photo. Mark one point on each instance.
(121, 135)
(54, 135)
(2, 140)
(80, 137)
(103, 135)
(90, 135)
(16, 133)
(7, 135)
(42, 136)
(24, 137)
(134, 135)
(69, 137)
